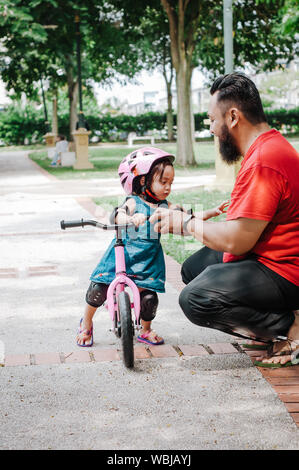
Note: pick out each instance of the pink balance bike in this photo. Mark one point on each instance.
(118, 301)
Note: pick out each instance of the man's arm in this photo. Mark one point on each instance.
(234, 236)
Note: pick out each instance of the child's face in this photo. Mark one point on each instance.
(161, 187)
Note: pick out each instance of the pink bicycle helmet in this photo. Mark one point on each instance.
(139, 163)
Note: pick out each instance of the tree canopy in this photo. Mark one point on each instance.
(39, 39)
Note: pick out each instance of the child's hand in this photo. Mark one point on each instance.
(138, 219)
(221, 209)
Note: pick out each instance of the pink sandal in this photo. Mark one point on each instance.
(144, 338)
(87, 333)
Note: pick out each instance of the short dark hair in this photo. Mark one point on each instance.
(237, 88)
(157, 169)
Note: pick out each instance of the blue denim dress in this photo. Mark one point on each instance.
(143, 254)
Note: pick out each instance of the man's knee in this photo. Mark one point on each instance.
(148, 304)
(199, 262)
(185, 272)
(184, 300)
(199, 305)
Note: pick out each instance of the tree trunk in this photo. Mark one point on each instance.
(192, 118)
(169, 112)
(182, 30)
(185, 152)
(54, 114)
(170, 133)
(73, 89)
(73, 102)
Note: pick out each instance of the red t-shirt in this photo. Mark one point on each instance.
(267, 188)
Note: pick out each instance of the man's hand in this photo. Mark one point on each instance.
(168, 221)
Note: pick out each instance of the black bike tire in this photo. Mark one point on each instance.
(127, 329)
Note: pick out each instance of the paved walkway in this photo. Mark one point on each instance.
(200, 389)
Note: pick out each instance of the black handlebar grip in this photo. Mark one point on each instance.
(71, 223)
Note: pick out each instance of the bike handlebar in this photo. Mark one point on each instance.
(82, 223)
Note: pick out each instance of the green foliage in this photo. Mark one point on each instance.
(19, 125)
(113, 128)
(289, 24)
(286, 120)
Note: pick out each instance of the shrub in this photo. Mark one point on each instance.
(19, 126)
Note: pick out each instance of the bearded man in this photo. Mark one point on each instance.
(245, 281)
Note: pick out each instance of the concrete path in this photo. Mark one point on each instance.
(198, 391)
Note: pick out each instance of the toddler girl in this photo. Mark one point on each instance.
(146, 176)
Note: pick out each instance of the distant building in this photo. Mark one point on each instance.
(157, 101)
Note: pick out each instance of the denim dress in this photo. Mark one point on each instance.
(144, 256)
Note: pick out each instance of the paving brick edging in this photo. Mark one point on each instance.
(113, 354)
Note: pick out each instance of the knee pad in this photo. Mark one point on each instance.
(96, 294)
(148, 304)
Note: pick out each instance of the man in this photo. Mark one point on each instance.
(60, 147)
(245, 281)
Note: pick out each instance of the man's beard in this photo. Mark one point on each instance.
(228, 149)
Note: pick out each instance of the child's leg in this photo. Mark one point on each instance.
(84, 336)
(148, 309)
(95, 297)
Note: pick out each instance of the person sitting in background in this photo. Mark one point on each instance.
(61, 146)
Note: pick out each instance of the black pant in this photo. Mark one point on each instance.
(243, 298)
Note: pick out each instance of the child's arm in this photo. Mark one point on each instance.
(174, 207)
(123, 214)
(204, 215)
(221, 209)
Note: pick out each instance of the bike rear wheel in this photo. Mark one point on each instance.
(127, 328)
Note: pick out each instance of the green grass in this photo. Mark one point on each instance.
(176, 246)
(107, 159)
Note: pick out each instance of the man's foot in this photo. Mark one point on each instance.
(85, 336)
(281, 354)
(150, 337)
(284, 353)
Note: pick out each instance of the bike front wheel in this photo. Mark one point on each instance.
(127, 328)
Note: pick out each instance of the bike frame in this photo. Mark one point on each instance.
(121, 280)
(119, 284)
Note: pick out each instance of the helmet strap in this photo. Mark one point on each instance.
(148, 195)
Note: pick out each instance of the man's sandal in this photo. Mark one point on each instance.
(272, 365)
(144, 338)
(257, 347)
(87, 333)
